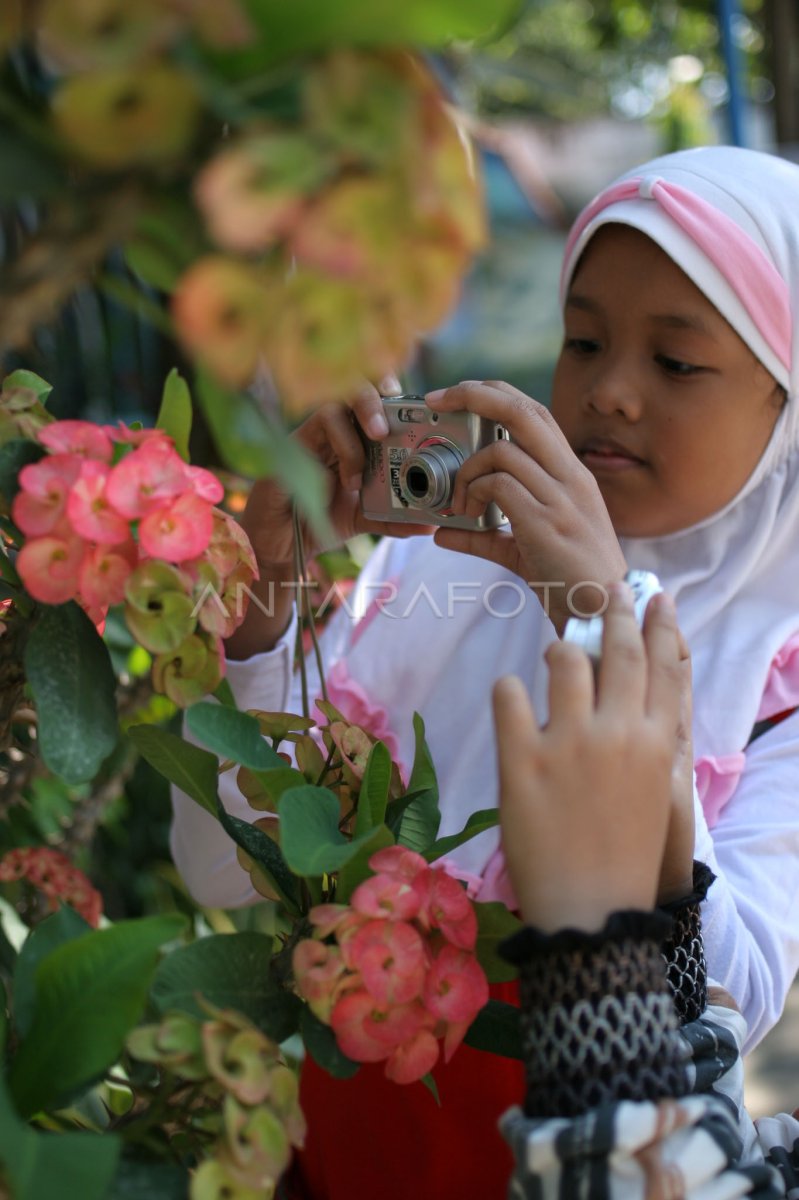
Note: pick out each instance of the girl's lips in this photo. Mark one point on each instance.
(599, 455)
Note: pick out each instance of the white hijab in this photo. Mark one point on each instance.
(735, 575)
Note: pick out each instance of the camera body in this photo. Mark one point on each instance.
(586, 632)
(410, 475)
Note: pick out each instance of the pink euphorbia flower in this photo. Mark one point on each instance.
(147, 478)
(179, 531)
(444, 905)
(390, 958)
(103, 572)
(413, 1059)
(77, 437)
(49, 567)
(399, 862)
(456, 987)
(204, 484)
(89, 508)
(369, 1032)
(40, 504)
(385, 896)
(318, 969)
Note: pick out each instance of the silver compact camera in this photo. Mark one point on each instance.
(410, 475)
(586, 632)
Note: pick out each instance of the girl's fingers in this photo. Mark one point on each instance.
(529, 424)
(367, 407)
(623, 669)
(669, 664)
(571, 686)
(503, 458)
(332, 438)
(494, 545)
(516, 728)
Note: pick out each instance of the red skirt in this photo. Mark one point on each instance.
(370, 1138)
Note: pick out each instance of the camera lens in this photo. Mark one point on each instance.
(427, 478)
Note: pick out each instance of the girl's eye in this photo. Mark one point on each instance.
(676, 366)
(581, 346)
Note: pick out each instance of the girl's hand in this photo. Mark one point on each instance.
(560, 532)
(585, 802)
(331, 436)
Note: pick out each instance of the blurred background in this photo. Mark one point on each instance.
(578, 92)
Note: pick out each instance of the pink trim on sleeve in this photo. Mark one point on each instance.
(716, 781)
(782, 685)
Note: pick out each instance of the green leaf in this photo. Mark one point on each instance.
(478, 822)
(358, 869)
(137, 1179)
(63, 926)
(395, 809)
(251, 444)
(15, 455)
(320, 1042)
(30, 380)
(152, 263)
(422, 817)
(310, 838)
(38, 1166)
(224, 694)
(72, 681)
(432, 1087)
(231, 970)
(174, 415)
(89, 993)
(497, 1029)
(275, 783)
(232, 734)
(265, 852)
(373, 796)
(310, 26)
(28, 172)
(495, 922)
(191, 769)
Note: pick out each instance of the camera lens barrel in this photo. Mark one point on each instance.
(427, 478)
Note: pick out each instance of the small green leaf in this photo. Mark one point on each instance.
(358, 869)
(495, 922)
(15, 455)
(422, 817)
(478, 822)
(137, 1179)
(310, 838)
(373, 796)
(89, 993)
(231, 970)
(174, 415)
(63, 926)
(224, 694)
(232, 734)
(38, 1166)
(320, 1042)
(29, 380)
(497, 1029)
(72, 681)
(265, 852)
(275, 783)
(432, 1087)
(191, 769)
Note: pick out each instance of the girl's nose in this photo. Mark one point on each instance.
(614, 390)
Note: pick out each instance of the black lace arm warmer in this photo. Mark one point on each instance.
(598, 1019)
(684, 951)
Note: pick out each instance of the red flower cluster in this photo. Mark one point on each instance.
(402, 972)
(52, 873)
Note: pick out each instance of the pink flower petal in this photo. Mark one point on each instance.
(413, 1059)
(456, 987)
(103, 573)
(49, 566)
(205, 484)
(89, 510)
(353, 1020)
(77, 437)
(147, 478)
(178, 531)
(391, 959)
(398, 862)
(384, 896)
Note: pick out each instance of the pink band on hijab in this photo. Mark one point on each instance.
(754, 279)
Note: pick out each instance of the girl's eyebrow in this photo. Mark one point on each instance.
(687, 321)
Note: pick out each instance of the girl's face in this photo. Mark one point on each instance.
(656, 393)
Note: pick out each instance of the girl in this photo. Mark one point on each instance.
(672, 445)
